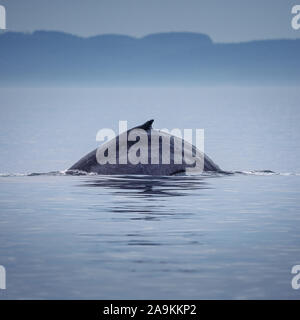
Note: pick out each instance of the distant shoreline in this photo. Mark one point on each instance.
(50, 58)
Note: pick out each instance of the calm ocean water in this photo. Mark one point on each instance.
(139, 237)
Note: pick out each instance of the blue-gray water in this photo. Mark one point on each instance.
(210, 236)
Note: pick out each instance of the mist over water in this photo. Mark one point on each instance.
(206, 236)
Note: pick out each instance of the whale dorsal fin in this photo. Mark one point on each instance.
(146, 126)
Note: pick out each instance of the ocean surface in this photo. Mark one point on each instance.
(209, 236)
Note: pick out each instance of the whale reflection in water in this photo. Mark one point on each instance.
(149, 186)
(147, 197)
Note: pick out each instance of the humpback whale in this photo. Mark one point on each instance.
(105, 161)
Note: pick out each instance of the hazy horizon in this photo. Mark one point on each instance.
(142, 36)
(237, 21)
(55, 58)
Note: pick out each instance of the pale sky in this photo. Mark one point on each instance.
(222, 20)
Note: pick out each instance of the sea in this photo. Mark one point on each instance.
(204, 236)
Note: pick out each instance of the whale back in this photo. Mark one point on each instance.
(159, 158)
